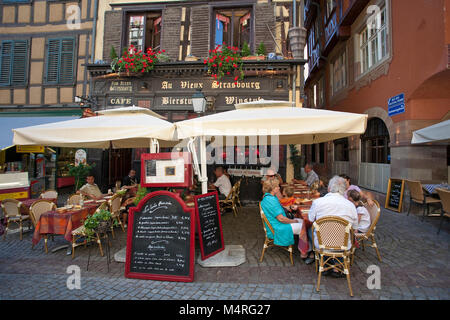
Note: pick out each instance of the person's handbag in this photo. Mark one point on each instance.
(289, 214)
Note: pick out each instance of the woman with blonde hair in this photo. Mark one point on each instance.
(284, 227)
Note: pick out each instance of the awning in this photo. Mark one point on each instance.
(438, 133)
(9, 121)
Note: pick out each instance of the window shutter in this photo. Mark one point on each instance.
(5, 63)
(67, 60)
(200, 22)
(20, 62)
(53, 49)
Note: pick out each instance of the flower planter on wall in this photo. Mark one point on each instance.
(253, 58)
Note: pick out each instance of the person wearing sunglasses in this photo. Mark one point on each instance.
(271, 174)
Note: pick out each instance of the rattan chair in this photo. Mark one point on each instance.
(11, 210)
(444, 195)
(238, 193)
(49, 194)
(375, 213)
(80, 232)
(230, 200)
(417, 196)
(74, 199)
(270, 242)
(37, 209)
(333, 234)
(115, 205)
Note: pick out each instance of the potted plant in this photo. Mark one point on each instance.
(225, 61)
(99, 222)
(80, 172)
(133, 62)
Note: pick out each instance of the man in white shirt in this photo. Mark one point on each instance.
(334, 204)
(222, 183)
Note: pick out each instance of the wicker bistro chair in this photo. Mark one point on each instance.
(37, 209)
(444, 195)
(115, 205)
(49, 194)
(238, 193)
(375, 213)
(270, 242)
(333, 234)
(417, 196)
(80, 232)
(74, 199)
(11, 209)
(230, 200)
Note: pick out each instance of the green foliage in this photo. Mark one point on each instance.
(140, 194)
(261, 51)
(296, 160)
(92, 222)
(113, 54)
(80, 173)
(245, 52)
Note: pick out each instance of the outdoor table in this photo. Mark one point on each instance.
(431, 188)
(53, 222)
(303, 244)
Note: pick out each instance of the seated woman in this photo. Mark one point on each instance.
(363, 215)
(284, 227)
(288, 197)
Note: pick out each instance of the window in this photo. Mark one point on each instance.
(233, 27)
(375, 142)
(144, 30)
(330, 7)
(341, 150)
(318, 93)
(338, 75)
(373, 41)
(13, 62)
(60, 61)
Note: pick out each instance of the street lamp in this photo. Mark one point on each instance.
(199, 101)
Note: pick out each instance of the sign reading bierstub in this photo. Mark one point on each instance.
(209, 224)
(160, 239)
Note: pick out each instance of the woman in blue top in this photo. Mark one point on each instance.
(284, 227)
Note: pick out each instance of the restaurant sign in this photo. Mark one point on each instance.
(120, 101)
(29, 149)
(121, 86)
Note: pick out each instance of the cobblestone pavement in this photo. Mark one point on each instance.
(415, 266)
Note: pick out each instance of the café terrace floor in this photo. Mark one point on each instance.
(415, 266)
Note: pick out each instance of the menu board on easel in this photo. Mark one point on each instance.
(160, 239)
(207, 213)
(394, 195)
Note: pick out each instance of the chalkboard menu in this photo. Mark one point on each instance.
(207, 212)
(160, 239)
(394, 194)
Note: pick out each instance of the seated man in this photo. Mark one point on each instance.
(130, 182)
(311, 176)
(90, 189)
(222, 183)
(334, 204)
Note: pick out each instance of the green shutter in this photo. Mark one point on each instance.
(5, 62)
(53, 46)
(60, 61)
(20, 62)
(67, 60)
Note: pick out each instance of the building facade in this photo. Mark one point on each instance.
(187, 31)
(45, 46)
(390, 60)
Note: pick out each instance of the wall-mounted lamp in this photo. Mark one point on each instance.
(199, 101)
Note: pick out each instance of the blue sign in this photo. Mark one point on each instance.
(396, 105)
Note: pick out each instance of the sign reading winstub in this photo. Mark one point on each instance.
(396, 105)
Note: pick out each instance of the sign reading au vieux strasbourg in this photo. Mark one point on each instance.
(160, 239)
(396, 105)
